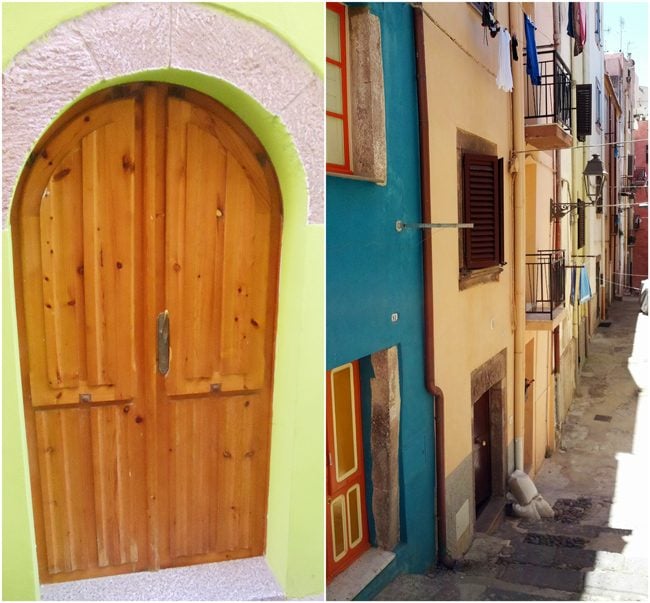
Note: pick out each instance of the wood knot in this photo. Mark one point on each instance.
(60, 175)
(177, 267)
(80, 270)
(226, 454)
(255, 323)
(119, 265)
(127, 164)
(139, 419)
(249, 454)
(72, 302)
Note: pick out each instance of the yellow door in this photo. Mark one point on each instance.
(147, 229)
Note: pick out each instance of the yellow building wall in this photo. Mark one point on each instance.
(473, 325)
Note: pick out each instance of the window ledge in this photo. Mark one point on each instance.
(357, 177)
(469, 278)
(349, 583)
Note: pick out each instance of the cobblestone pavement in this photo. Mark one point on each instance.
(596, 548)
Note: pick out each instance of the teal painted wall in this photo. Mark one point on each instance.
(374, 271)
(295, 540)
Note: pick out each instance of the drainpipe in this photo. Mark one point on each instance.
(518, 170)
(427, 263)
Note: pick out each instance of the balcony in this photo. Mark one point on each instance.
(545, 276)
(548, 106)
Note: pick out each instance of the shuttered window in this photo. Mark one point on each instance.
(483, 206)
(581, 224)
(583, 111)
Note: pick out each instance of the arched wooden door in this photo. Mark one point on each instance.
(146, 242)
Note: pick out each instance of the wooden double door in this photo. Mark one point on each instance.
(146, 248)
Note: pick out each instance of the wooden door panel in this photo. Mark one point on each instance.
(216, 497)
(90, 466)
(482, 450)
(217, 248)
(346, 521)
(80, 269)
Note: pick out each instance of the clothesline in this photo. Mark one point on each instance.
(469, 54)
(585, 146)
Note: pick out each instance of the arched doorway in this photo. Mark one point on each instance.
(147, 227)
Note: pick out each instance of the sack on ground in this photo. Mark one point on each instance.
(543, 508)
(528, 511)
(522, 487)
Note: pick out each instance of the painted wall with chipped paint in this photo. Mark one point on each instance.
(296, 499)
(373, 271)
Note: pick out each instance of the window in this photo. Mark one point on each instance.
(581, 224)
(597, 23)
(599, 104)
(338, 138)
(483, 206)
(355, 107)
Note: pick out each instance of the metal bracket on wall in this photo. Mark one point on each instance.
(400, 226)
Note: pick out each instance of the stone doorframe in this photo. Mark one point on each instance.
(491, 377)
(52, 73)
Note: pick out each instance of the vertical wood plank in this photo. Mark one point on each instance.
(206, 162)
(60, 254)
(238, 244)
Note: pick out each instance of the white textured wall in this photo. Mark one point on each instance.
(123, 39)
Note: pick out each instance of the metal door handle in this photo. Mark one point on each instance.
(162, 359)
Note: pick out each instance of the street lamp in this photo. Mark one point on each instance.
(595, 177)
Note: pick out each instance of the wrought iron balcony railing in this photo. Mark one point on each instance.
(544, 283)
(551, 101)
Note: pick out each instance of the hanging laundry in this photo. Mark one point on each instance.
(577, 26)
(572, 296)
(585, 287)
(504, 73)
(532, 65)
(514, 43)
(488, 20)
(570, 28)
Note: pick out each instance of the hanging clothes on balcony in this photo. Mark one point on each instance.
(532, 65)
(585, 287)
(577, 26)
(504, 74)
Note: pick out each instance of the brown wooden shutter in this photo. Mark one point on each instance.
(583, 110)
(482, 244)
(501, 219)
(581, 224)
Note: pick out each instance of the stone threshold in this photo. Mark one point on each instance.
(349, 583)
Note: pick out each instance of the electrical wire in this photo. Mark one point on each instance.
(585, 146)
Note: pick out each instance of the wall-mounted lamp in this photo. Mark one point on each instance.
(559, 210)
(595, 177)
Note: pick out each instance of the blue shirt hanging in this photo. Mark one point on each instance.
(532, 65)
(585, 287)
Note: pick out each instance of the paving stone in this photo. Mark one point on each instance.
(498, 594)
(574, 558)
(617, 584)
(544, 577)
(536, 554)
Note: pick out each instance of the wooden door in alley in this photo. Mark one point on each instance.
(482, 452)
(346, 521)
(146, 245)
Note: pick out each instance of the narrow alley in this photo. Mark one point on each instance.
(596, 546)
